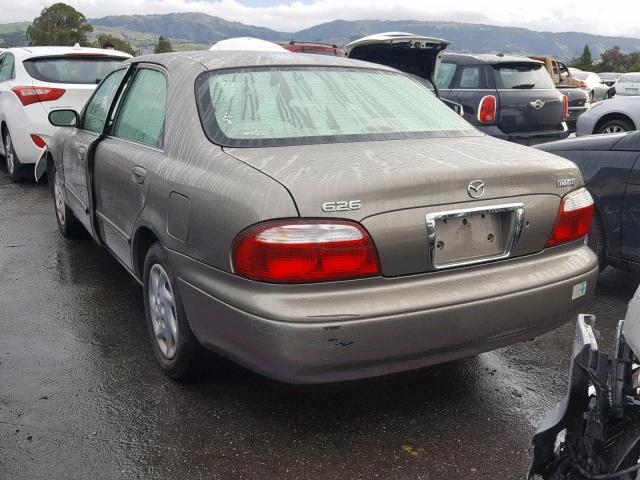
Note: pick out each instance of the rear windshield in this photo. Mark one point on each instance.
(76, 69)
(630, 78)
(305, 105)
(523, 76)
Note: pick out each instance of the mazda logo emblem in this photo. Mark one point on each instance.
(476, 189)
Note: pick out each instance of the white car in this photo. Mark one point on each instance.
(628, 84)
(593, 84)
(36, 80)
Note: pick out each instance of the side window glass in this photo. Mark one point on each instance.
(470, 77)
(95, 114)
(6, 70)
(141, 116)
(445, 75)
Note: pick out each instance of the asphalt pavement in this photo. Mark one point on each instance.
(81, 396)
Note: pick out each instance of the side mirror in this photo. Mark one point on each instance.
(64, 118)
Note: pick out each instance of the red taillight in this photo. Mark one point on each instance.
(40, 143)
(487, 109)
(29, 95)
(565, 110)
(583, 85)
(301, 251)
(574, 219)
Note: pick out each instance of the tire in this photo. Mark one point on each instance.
(177, 350)
(16, 170)
(591, 96)
(617, 125)
(596, 240)
(68, 224)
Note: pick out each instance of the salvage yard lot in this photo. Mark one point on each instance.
(81, 395)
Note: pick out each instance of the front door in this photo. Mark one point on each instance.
(78, 144)
(124, 160)
(631, 217)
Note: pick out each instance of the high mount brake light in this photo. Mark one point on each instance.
(303, 251)
(487, 109)
(29, 95)
(574, 218)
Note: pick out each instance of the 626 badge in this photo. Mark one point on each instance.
(341, 206)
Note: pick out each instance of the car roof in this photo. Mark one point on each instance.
(217, 60)
(30, 52)
(488, 58)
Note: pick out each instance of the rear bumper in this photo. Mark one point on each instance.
(527, 138)
(24, 122)
(347, 330)
(574, 113)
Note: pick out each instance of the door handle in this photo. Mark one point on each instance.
(138, 174)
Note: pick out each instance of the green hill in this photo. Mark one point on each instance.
(199, 31)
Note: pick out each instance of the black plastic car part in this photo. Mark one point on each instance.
(594, 432)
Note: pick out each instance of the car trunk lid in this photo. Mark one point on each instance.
(399, 183)
(409, 53)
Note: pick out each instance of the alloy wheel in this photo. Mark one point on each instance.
(163, 311)
(58, 195)
(8, 153)
(614, 129)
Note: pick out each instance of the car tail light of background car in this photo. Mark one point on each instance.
(302, 251)
(583, 85)
(565, 109)
(487, 109)
(574, 219)
(29, 95)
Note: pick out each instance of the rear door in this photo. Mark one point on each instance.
(529, 101)
(631, 217)
(78, 144)
(122, 160)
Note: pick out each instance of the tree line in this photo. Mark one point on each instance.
(61, 24)
(611, 60)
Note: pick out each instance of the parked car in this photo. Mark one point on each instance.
(508, 97)
(593, 85)
(505, 96)
(315, 48)
(567, 85)
(36, 80)
(246, 43)
(281, 222)
(628, 84)
(611, 171)
(610, 78)
(619, 114)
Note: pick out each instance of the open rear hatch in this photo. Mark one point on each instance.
(409, 53)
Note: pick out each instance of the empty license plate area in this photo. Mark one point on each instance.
(464, 237)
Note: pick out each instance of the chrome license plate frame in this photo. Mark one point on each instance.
(513, 212)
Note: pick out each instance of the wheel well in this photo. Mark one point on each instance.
(143, 240)
(613, 116)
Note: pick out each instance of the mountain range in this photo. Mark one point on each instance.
(199, 30)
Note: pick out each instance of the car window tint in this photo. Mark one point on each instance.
(470, 77)
(76, 69)
(446, 71)
(523, 76)
(141, 116)
(96, 111)
(6, 71)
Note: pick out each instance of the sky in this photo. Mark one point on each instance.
(592, 16)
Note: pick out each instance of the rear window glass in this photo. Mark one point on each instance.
(302, 105)
(630, 78)
(523, 76)
(81, 70)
